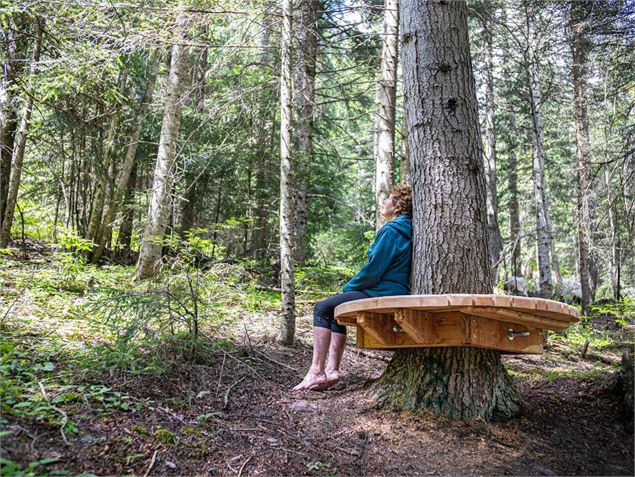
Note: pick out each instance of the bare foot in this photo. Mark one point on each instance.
(311, 380)
(332, 378)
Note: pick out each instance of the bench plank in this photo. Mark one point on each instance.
(506, 323)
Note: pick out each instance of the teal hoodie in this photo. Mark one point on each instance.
(387, 271)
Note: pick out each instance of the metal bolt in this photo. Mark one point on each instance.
(511, 334)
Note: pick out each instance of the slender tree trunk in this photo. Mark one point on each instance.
(385, 129)
(512, 171)
(113, 200)
(11, 69)
(615, 238)
(125, 228)
(199, 75)
(7, 140)
(580, 46)
(614, 260)
(490, 150)
(105, 170)
(306, 32)
(543, 235)
(17, 158)
(159, 209)
(188, 207)
(450, 221)
(514, 214)
(543, 242)
(287, 330)
(185, 204)
(265, 138)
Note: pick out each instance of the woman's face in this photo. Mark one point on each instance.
(389, 210)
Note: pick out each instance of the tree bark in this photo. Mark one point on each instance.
(404, 166)
(287, 330)
(450, 221)
(580, 45)
(113, 200)
(385, 130)
(306, 32)
(159, 208)
(17, 158)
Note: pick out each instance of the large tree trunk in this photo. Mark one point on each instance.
(114, 199)
(580, 45)
(17, 158)
(306, 32)
(490, 150)
(450, 221)
(287, 330)
(385, 129)
(159, 209)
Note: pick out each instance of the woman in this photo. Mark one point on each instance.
(387, 272)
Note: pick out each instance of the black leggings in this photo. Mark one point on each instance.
(323, 311)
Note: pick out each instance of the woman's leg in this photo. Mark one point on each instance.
(336, 351)
(328, 337)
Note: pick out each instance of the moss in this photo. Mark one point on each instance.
(141, 430)
(164, 436)
(72, 397)
(191, 431)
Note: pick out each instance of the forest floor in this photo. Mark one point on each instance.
(72, 402)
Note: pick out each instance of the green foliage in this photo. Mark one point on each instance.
(328, 278)
(344, 247)
(23, 388)
(10, 468)
(71, 272)
(74, 243)
(623, 311)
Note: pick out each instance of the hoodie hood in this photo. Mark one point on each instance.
(402, 224)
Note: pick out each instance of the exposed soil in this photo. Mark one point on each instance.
(568, 426)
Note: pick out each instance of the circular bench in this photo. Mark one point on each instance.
(507, 323)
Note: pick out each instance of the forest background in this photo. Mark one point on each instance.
(103, 104)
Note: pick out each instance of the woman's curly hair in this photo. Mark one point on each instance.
(402, 198)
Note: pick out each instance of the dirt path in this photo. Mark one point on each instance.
(198, 421)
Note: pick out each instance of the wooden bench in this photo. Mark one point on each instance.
(507, 323)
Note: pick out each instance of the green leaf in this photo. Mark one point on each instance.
(48, 366)
(45, 461)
